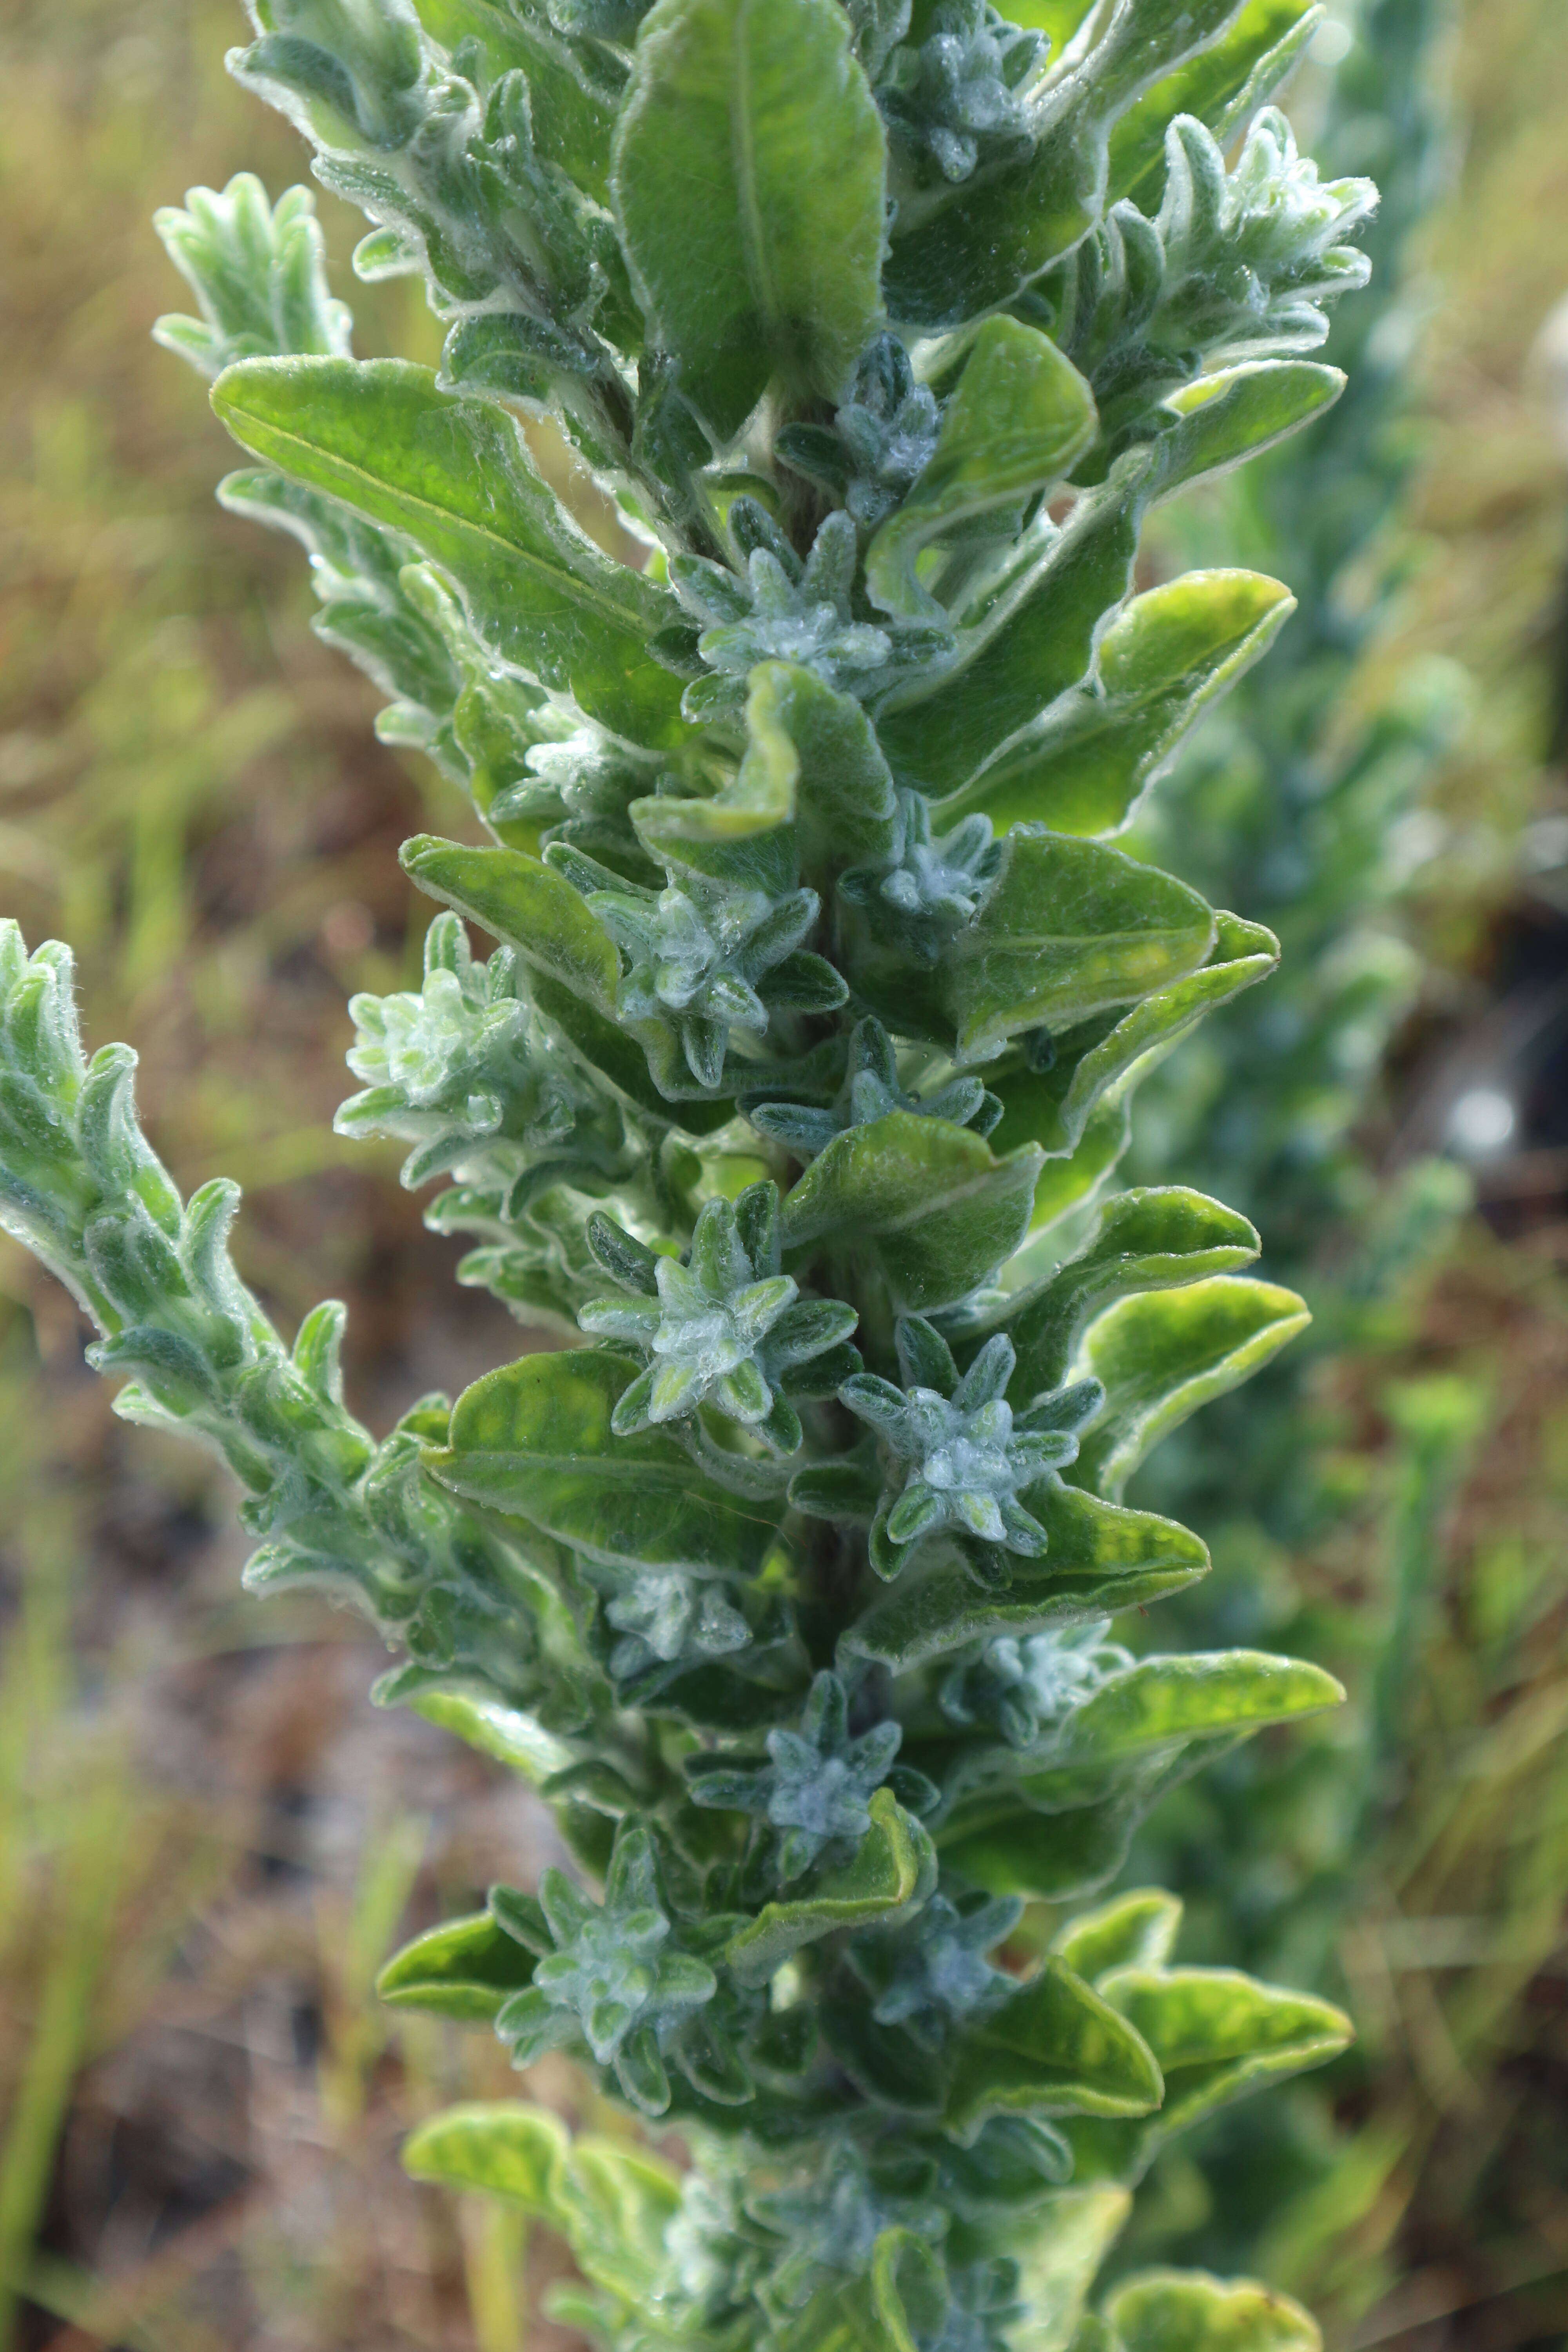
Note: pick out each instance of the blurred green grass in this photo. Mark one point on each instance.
(189, 789)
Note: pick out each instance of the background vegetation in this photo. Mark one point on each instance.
(207, 1841)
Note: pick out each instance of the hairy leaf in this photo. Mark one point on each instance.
(931, 1202)
(465, 1968)
(456, 477)
(1020, 415)
(892, 1870)
(1168, 655)
(1163, 1354)
(749, 183)
(533, 1440)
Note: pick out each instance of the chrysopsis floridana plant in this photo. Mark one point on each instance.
(791, 1092)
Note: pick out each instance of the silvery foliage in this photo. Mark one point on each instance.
(1234, 263)
(803, 1639)
(881, 440)
(783, 608)
(956, 1458)
(958, 97)
(722, 1326)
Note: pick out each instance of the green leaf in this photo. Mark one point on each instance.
(1019, 416)
(899, 2306)
(1220, 2035)
(503, 2147)
(1054, 2048)
(844, 803)
(749, 173)
(464, 1968)
(503, 1733)
(533, 1440)
(1049, 1857)
(1187, 2311)
(1166, 1701)
(617, 2203)
(989, 237)
(1167, 656)
(1239, 411)
(1154, 1238)
(1035, 639)
(1099, 1559)
(456, 477)
(1065, 1830)
(611, 2203)
(1244, 66)
(893, 1870)
(1036, 635)
(759, 798)
(1068, 928)
(527, 904)
(1092, 1079)
(927, 1202)
(571, 114)
(1070, 1184)
(1135, 1930)
(1163, 1354)
(909, 2289)
(1059, 2257)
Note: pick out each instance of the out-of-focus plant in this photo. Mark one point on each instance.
(1307, 783)
(1306, 788)
(816, 965)
(1311, 784)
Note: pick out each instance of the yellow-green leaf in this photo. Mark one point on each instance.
(929, 1201)
(1157, 1237)
(1167, 656)
(893, 1867)
(1188, 2311)
(525, 903)
(1135, 1930)
(503, 2147)
(464, 1968)
(1054, 2048)
(1020, 415)
(1162, 1354)
(1100, 1558)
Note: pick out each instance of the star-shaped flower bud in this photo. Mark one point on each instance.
(1025, 1686)
(782, 609)
(670, 1618)
(871, 1089)
(832, 2221)
(933, 1973)
(460, 1069)
(936, 886)
(578, 789)
(879, 441)
(959, 97)
(704, 959)
(818, 1784)
(606, 1973)
(956, 1460)
(722, 1326)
